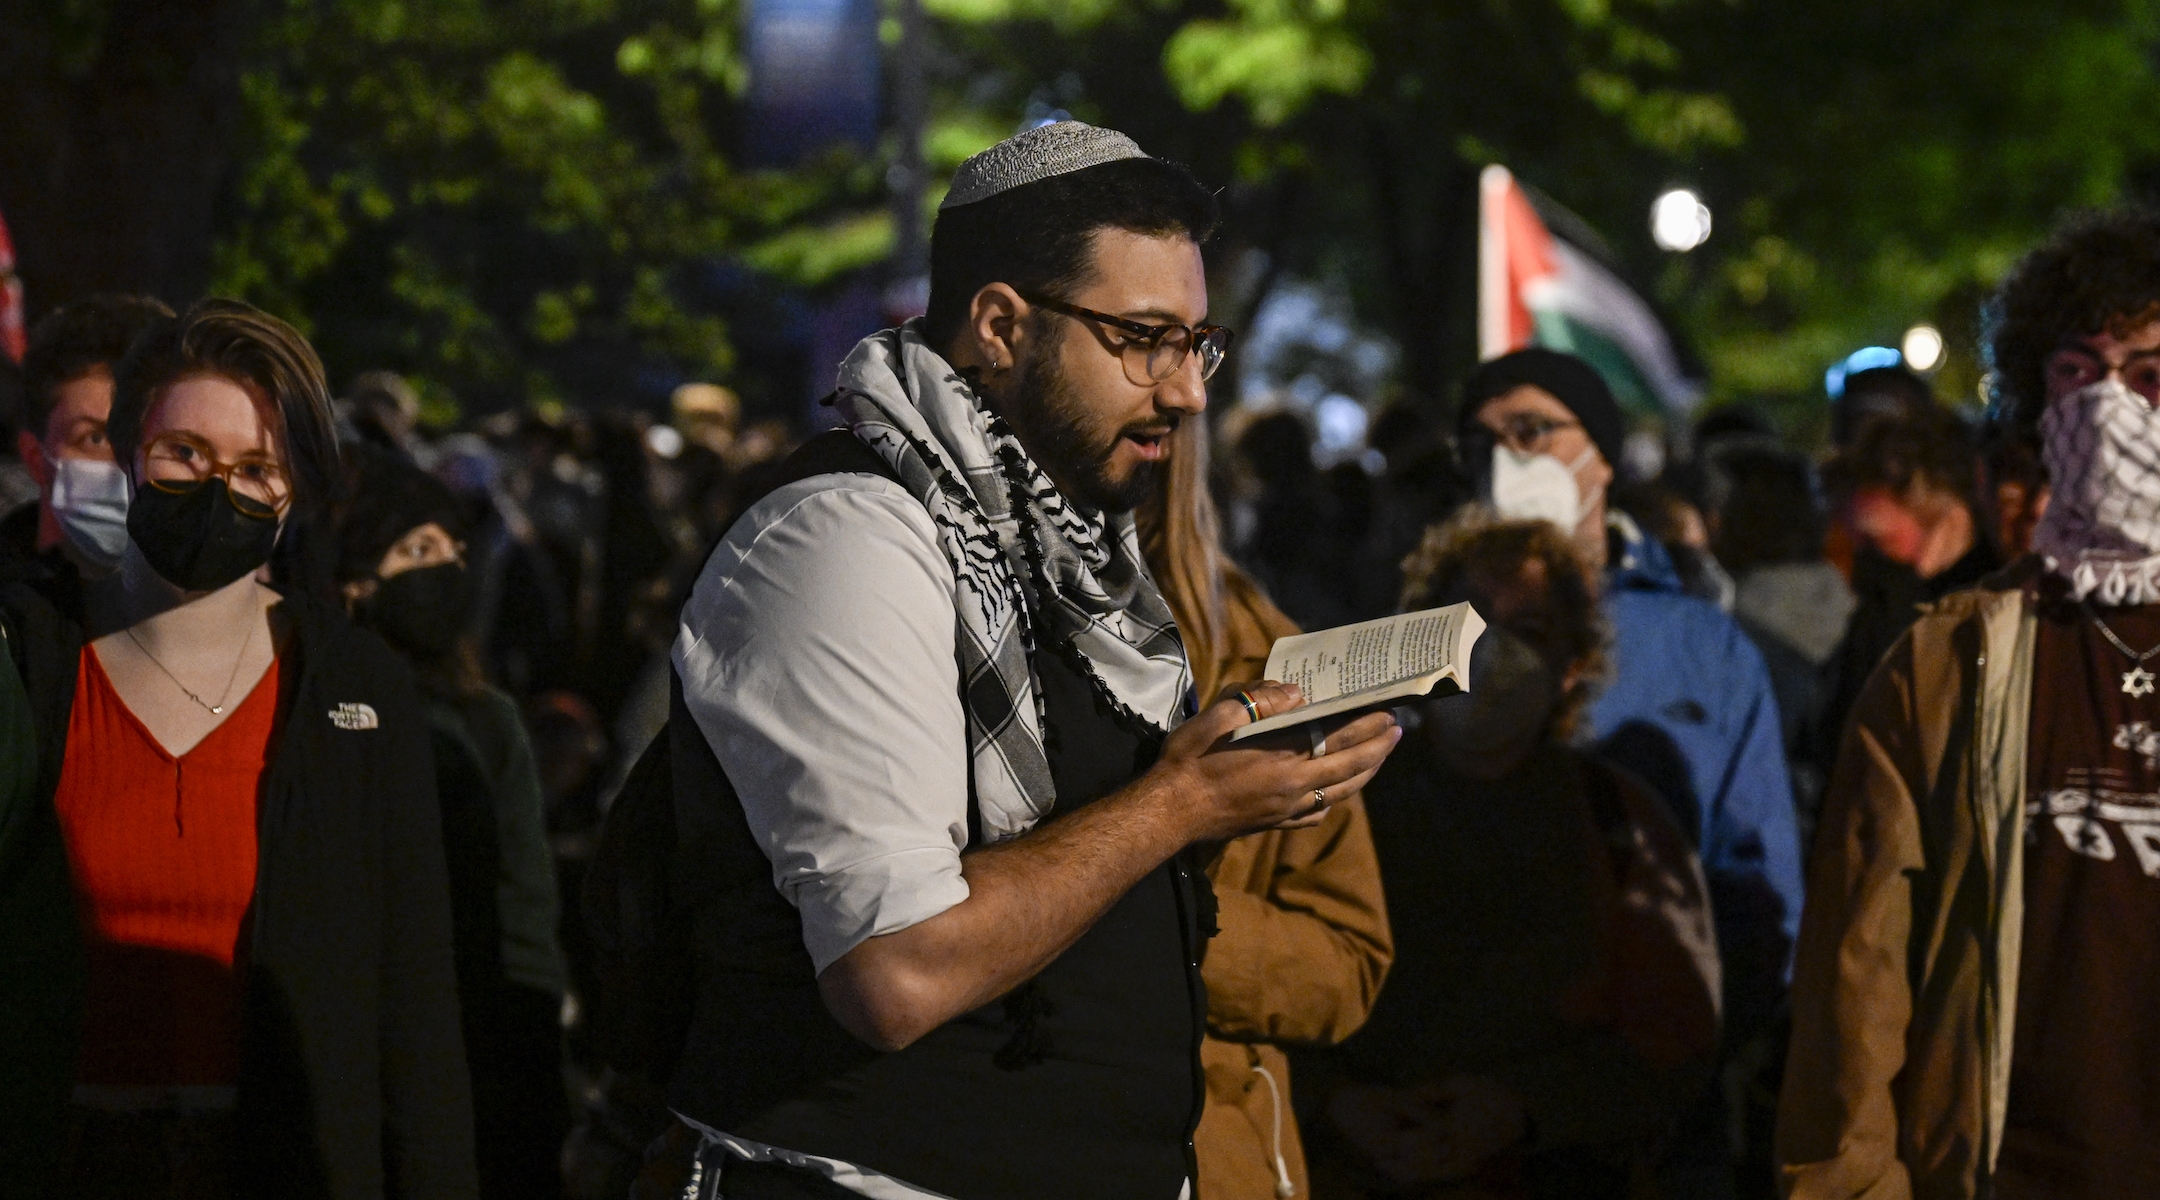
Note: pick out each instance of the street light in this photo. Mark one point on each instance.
(1923, 346)
(1679, 221)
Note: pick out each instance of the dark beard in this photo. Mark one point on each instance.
(1052, 421)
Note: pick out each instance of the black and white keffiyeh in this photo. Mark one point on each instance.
(1029, 568)
(2101, 530)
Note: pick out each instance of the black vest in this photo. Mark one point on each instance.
(1084, 1082)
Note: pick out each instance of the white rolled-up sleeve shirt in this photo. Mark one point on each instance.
(816, 655)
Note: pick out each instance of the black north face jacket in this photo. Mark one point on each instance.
(353, 1081)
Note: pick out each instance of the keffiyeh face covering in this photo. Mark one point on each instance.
(1029, 569)
(2102, 527)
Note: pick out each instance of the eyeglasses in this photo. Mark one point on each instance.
(255, 483)
(1527, 433)
(1157, 351)
(2074, 367)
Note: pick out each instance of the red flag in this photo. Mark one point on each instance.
(14, 338)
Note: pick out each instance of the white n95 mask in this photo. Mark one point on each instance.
(1539, 487)
(90, 504)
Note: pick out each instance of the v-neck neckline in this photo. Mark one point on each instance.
(143, 730)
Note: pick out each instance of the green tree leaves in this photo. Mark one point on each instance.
(1871, 165)
(1276, 55)
(487, 195)
(489, 192)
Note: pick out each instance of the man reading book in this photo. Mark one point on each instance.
(935, 784)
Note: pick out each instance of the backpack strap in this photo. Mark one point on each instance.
(833, 452)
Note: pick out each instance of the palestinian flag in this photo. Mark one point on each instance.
(1536, 288)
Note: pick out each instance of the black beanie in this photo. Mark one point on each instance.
(1571, 381)
(387, 497)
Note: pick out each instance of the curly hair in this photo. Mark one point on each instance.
(2100, 271)
(1476, 549)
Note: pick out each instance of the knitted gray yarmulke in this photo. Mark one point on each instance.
(1059, 148)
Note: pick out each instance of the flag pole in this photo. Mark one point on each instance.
(1494, 183)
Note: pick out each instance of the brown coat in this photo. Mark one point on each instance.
(1905, 982)
(1303, 949)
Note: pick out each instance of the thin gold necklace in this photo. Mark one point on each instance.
(215, 710)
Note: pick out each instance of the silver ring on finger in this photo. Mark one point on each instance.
(1319, 797)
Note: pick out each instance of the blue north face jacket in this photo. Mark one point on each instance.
(1688, 707)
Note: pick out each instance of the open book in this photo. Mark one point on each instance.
(1372, 664)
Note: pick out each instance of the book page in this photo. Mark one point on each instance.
(1371, 664)
(1368, 655)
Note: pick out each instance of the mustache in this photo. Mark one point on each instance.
(1152, 429)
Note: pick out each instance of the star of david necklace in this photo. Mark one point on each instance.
(2137, 681)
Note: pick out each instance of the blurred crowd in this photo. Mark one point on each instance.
(577, 535)
(1595, 865)
(528, 566)
(1821, 554)
(1821, 558)
(582, 532)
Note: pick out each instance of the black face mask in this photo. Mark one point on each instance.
(423, 610)
(199, 540)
